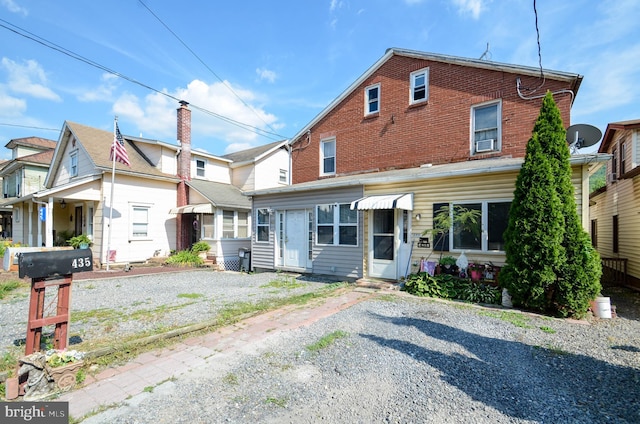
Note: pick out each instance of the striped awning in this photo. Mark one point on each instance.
(199, 208)
(389, 201)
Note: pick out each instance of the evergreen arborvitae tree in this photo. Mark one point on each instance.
(534, 234)
(572, 278)
(579, 277)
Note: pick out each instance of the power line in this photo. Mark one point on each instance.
(205, 65)
(30, 127)
(49, 44)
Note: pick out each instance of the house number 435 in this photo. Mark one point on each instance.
(81, 262)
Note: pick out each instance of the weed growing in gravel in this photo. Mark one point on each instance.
(553, 350)
(548, 330)
(281, 402)
(516, 319)
(230, 378)
(148, 389)
(190, 295)
(283, 282)
(7, 287)
(326, 341)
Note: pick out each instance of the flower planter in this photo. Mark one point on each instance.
(476, 275)
(65, 375)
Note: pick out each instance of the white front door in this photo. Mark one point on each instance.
(382, 244)
(295, 239)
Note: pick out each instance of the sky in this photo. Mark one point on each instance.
(258, 71)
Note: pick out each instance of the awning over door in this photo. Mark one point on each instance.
(389, 201)
(199, 208)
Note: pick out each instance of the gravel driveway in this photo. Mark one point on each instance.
(393, 359)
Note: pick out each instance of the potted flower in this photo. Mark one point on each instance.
(62, 366)
(475, 271)
(80, 242)
(448, 265)
(201, 248)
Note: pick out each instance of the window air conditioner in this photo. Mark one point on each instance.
(612, 177)
(485, 145)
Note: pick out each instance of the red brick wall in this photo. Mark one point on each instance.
(437, 132)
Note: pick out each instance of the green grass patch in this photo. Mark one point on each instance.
(288, 282)
(326, 341)
(281, 402)
(231, 379)
(548, 330)
(190, 295)
(7, 287)
(519, 320)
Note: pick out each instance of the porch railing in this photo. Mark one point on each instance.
(614, 271)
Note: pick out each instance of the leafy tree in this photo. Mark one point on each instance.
(566, 283)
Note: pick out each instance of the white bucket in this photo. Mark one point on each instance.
(603, 307)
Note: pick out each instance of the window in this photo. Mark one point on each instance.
(328, 156)
(337, 225)
(227, 224)
(614, 161)
(372, 99)
(486, 128)
(208, 225)
(479, 226)
(262, 225)
(73, 164)
(139, 221)
(594, 232)
(243, 224)
(419, 86)
(283, 176)
(90, 222)
(623, 165)
(200, 165)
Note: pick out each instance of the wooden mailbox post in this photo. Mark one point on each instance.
(51, 269)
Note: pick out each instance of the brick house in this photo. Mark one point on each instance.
(414, 132)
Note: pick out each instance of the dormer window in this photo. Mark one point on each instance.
(73, 164)
(372, 99)
(419, 86)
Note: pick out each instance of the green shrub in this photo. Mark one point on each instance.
(201, 246)
(185, 258)
(447, 286)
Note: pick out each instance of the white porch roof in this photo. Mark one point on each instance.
(199, 208)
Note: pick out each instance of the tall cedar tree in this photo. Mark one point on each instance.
(534, 234)
(579, 277)
(567, 276)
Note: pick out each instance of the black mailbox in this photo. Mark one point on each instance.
(54, 262)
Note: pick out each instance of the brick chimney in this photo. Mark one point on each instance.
(183, 227)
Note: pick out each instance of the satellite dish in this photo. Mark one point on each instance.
(583, 135)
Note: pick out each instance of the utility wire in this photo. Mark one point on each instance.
(542, 77)
(29, 126)
(33, 37)
(205, 65)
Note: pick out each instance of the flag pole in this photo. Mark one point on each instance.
(113, 178)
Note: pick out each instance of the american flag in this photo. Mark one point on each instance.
(118, 147)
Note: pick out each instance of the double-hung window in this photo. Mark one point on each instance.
(200, 167)
(486, 127)
(479, 226)
(372, 99)
(336, 224)
(419, 86)
(73, 164)
(262, 225)
(328, 156)
(139, 222)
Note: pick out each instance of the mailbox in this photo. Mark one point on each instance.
(54, 262)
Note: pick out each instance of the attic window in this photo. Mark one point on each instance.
(372, 99)
(419, 86)
(73, 164)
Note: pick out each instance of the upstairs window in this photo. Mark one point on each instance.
(200, 166)
(419, 86)
(328, 156)
(73, 164)
(486, 128)
(623, 165)
(283, 176)
(372, 99)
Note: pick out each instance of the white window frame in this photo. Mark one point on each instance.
(484, 219)
(497, 143)
(412, 95)
(235, 224)
(336, 225)
(283, 178)
(369, 101)
(201, 171)
(208, 226)
(133, 216)
(73, 164)
(323, 143)
(262, 221)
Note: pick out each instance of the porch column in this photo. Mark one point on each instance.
(48, 227)
(30, 225)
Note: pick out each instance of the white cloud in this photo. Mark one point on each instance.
(156, 114)
(266, 74)
(11, 107)
(28, 78)
(103, 92)
(13, 7)
(469, 7)
(335, 4)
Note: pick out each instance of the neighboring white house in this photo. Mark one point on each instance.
(167, 199)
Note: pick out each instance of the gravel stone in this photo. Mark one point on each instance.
(403, 360)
